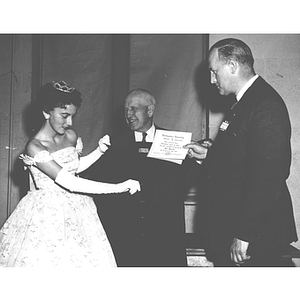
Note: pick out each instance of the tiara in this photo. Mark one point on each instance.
(63, 87)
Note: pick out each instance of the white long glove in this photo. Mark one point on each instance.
(104, 142)
(81, 185)
(87, 160)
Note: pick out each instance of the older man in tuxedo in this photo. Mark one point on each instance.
(148, 228)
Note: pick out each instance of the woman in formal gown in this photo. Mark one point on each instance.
(56, 224)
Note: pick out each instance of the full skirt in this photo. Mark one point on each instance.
(55, 229)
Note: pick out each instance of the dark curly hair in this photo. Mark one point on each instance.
(49, 96)
(57, 94)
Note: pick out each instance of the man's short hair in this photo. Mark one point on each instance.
(146, 95)
(234, 49)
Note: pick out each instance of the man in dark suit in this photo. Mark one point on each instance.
(145, 229)
(249, 210)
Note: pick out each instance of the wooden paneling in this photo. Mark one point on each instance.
(5, 87)
(15, 85)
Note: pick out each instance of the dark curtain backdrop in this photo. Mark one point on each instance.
(86, 62)
(171, 66)
(105, 67)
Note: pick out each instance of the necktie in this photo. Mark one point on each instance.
(144, 137)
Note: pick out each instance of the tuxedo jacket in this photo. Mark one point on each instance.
(147, 228)
(248, 166)
(125, 160)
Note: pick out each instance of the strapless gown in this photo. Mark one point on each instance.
(52, 227)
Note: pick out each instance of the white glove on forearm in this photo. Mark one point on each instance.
(81, 185)
(87, 160)
(104, 142)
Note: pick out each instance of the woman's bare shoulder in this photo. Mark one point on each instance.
(71, 136)
(34, 146)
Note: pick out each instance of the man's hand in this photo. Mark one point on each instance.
(238, 251)
(198, 150)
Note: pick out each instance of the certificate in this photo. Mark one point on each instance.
(168, 145)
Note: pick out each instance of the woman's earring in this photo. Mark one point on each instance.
(46, 116)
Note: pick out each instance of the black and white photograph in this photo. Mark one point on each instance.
(89, 189)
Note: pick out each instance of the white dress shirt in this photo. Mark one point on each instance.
(245, 88)
(149, 137)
